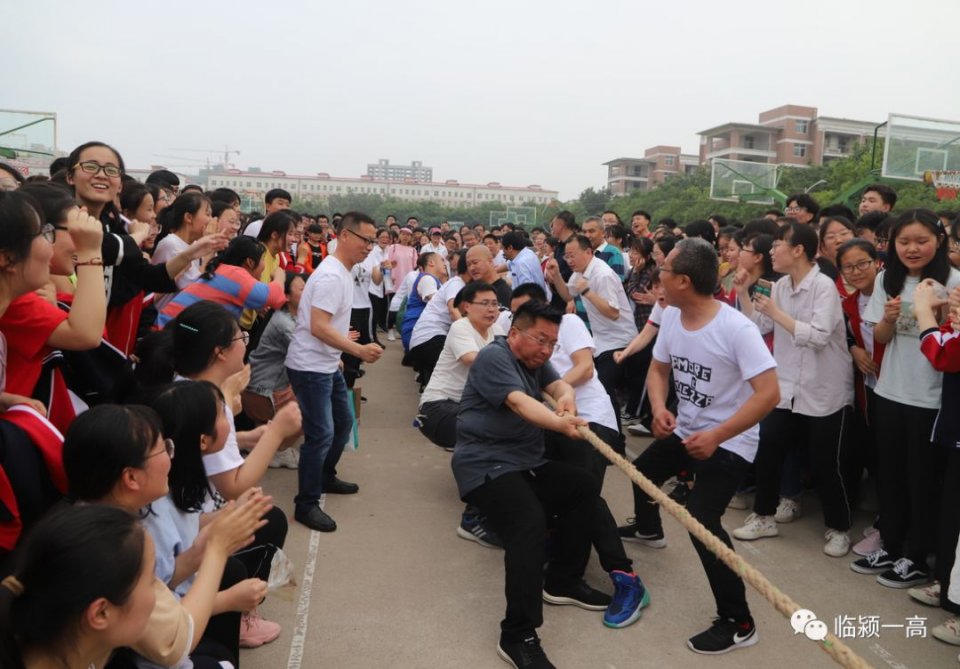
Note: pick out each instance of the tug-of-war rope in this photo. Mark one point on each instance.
(834, 647)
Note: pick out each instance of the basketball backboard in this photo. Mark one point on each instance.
(915, 145)
(28, 140)
(522, 217)
(741, 180)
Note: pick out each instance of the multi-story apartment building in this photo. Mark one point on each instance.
(382, 169)
(252, 186)
(787, 135)
(626, 175)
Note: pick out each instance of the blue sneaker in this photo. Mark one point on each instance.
(629, 599)
(473, 528)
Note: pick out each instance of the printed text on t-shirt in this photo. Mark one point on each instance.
(696, 372)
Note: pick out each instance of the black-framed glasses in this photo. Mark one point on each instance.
(168, 447)
(861, 266)
(92, 167)
(369, 241)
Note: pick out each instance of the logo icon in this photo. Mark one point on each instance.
(804, 621)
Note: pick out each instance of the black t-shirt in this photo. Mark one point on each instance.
(491, 439)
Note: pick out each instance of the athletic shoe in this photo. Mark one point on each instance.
(631, 532)
(876, 563)
(629, 600)
(756, 527)
(472, 529)
(929, 595)
(903, 575)
(740, 502)
(627, 419)
(838, 543)
(288, 458)
(526, 654)
(870, 543)
(948, 632)
(723, 636)
(392, 335)
(680, 493)
(578, 594)
(788, 510)
(256, 631)
(638, 430)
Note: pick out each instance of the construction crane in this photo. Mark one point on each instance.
(226, 153)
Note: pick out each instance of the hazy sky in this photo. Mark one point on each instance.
(517, 92)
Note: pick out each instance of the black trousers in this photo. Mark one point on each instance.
(949, 524)
(783, 431)
(862, 441)
(718, 478)
(380, 305)
(910, 473)
(516, 506)
(613, 376)
(579, 453)
(256, 557)
(636, 381)
(424, 356)
(359, 321)
(438, 422)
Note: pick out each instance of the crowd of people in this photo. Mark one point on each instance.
(161, 349)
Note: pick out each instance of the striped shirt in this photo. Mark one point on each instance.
(231, 286)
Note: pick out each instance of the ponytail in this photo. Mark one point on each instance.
(239, 250)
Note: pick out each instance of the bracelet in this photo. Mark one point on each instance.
(584, 291)
(93, 262)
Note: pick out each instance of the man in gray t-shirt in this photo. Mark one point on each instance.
(499, 467)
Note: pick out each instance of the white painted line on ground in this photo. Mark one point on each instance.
(887, 657)
(303, 605)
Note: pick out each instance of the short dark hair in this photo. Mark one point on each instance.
(611, 211)
(617, 231)
(871, 220)
(532, 290)
(861, 244)
(568, 219)
(279, 222)
(353, 219)
(837, 210)
(164, 178)
(806, 201)
(469, 292)
(582, 241)
(641, 212)
(799, 234)
(534, 310)
(696, 259)
(277, 193)
(886, 193)
(702, 229)
(514, 240)
(224, 195)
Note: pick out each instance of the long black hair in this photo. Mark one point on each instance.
(20, 221)
(189, 411)
(938, 269)
(239, 250)
(72, 558)
(102, 442)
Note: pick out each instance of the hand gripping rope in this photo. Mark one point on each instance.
(834, 647)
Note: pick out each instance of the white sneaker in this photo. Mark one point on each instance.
(757, 527)
(638, 430)
(788, 510)
(948, 632)
(838, 543)
(740, 501)
(286, 459)
(392, 335)
(929, 595)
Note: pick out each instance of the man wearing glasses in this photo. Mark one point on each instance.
(802, 208)
(500, 468)
(313, 365)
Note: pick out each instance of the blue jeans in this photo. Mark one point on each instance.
(327, 423)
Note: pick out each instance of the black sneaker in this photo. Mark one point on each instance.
(472, 528)
(680, 493)
(526, 654)
(875, 563)
(578, 594)
(631, 532)
(723, 636)
(904, 574)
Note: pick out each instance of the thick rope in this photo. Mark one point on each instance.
(839, 651)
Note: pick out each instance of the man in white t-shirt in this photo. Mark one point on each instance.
(607, 307)
(275, 200)
(313, 365)
(726, 382)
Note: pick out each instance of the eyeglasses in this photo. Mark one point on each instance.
(861, 266)
(540, 341)
(369, 241)
(168, 447)
(669, 270)
(92, 167)
(244, 336)
(794, 210)
(747, 249)
(487, 304)
(49, 231)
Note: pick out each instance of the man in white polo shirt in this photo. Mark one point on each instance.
(606, 304)
(313, 365)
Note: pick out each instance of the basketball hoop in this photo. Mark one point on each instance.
(947, 183)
